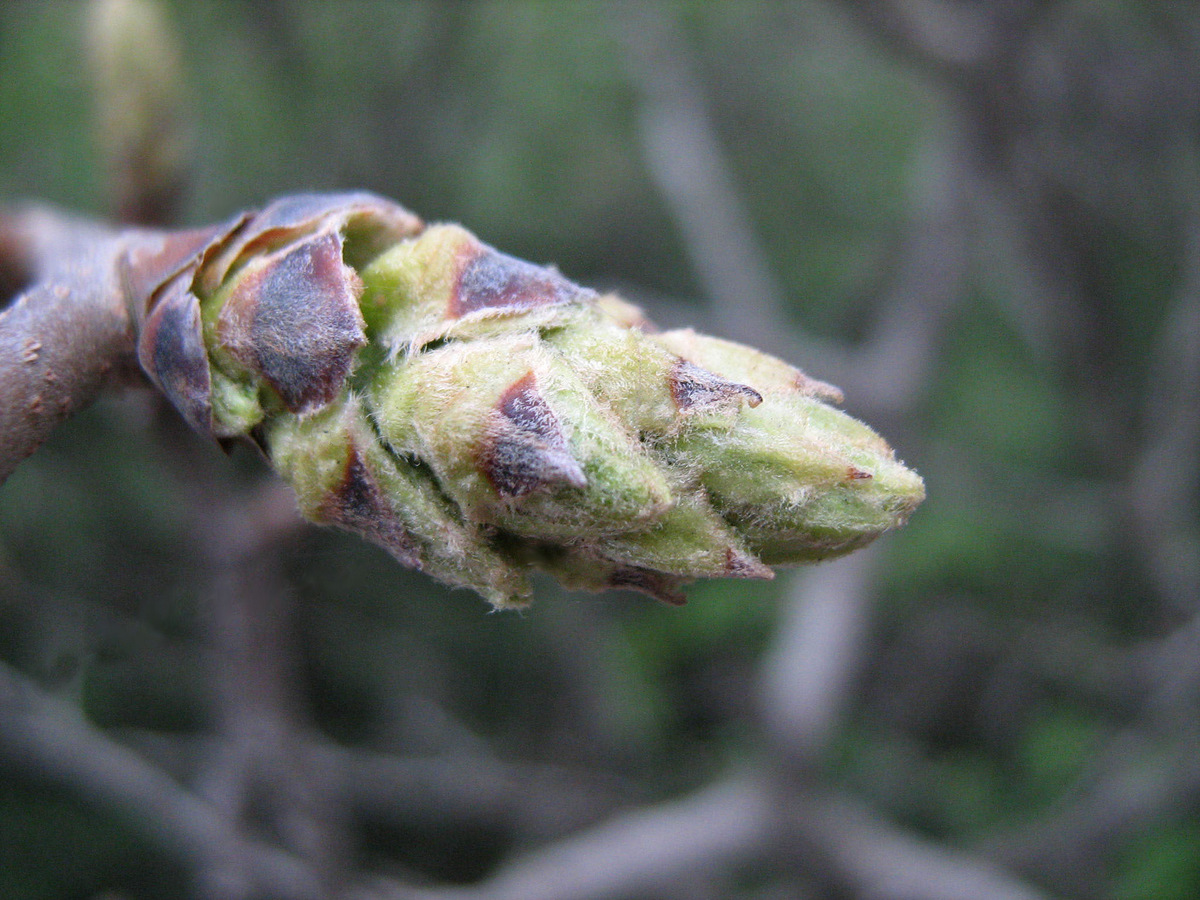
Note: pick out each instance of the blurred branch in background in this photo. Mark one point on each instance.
(55, 742)
(1163, 482)
(684, 157)
(140, 112)
(982, 225)
(888, 370)
(809, 674)
(261, 777)
(1059, 191)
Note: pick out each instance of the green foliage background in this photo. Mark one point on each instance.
(1010, 613)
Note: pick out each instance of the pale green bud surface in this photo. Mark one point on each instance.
(481, 417)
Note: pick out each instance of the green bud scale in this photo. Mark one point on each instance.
(481, 417)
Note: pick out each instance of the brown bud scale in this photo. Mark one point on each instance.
(149, 265)
(359, 504)
(526, 450)
(742, 565)
(694, 388)
(171, 350)
(296, 322)
(493, 280)
(658, 585)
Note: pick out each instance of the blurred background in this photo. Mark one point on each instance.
(981, 220)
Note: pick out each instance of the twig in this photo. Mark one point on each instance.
(458, 788)
(1163, 480)
(136, 77)
(53, 738)
(807, 675)
(945, 40)
(260, 770)
(876, 861)
(688, 165)
(464, 788)
(66, 336)
(637, 853)
(1133, 788)
(889, 371)
(645, 851)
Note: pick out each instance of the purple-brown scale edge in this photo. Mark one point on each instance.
(525, 448)
(296, 321)
(491, 280)
(744, 565)
(153, 259)
(291, 217)
(172, 353)
(823, 390)
(359, 504)
(694, 388)
(659, 585)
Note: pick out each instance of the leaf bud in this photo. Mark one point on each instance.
(481, 417)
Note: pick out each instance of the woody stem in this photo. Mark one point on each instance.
(66, 332)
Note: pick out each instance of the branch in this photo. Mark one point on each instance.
(1163, 479)
(647, 851)
(70, 330)
(638, 853)
(141, 123)
(260, 773)
(808, 674)
(634, 853)
(462, 787)
(52, 737)
(67, 335)
(687, 163)
(1134, 788)
(879, 862)
(946, 40)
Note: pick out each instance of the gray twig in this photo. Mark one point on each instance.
(52, 738)
(66, 336)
